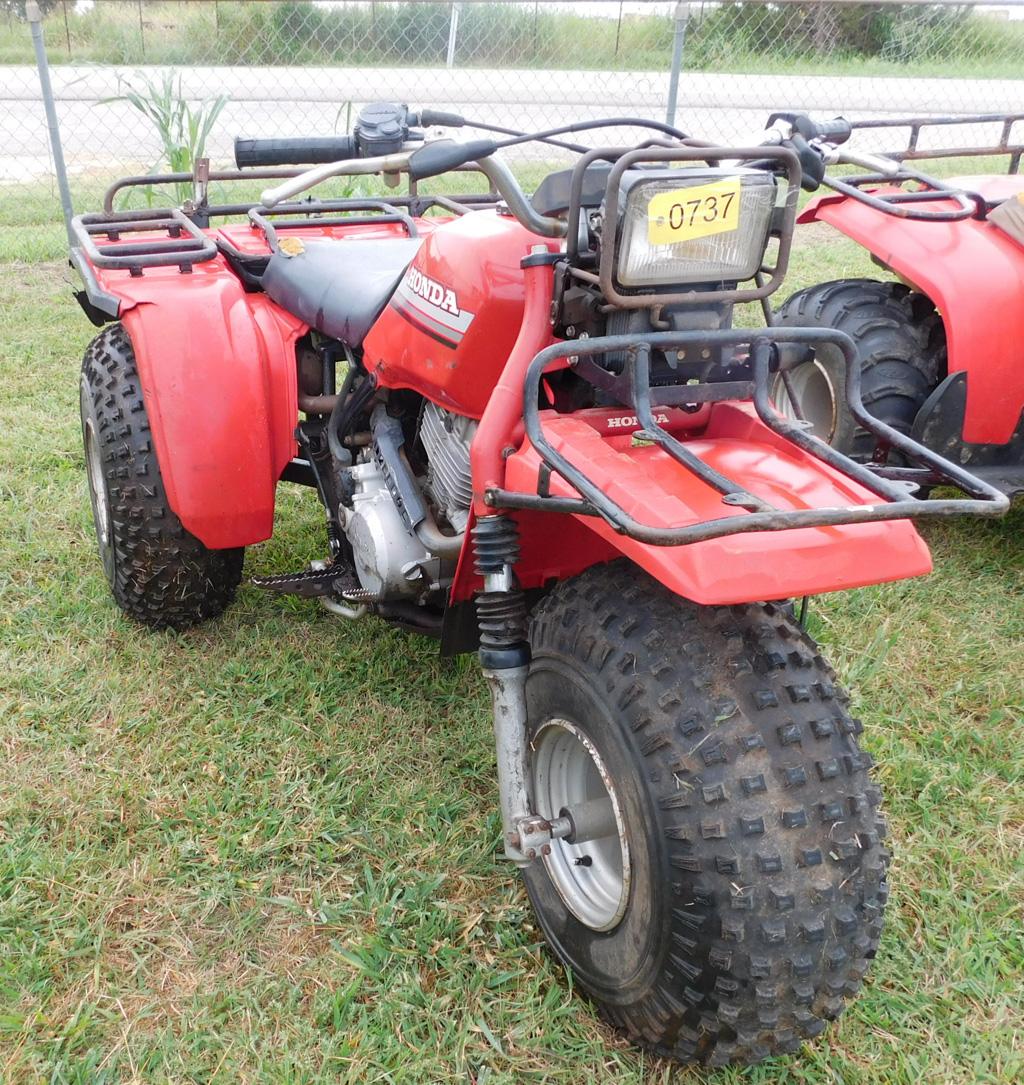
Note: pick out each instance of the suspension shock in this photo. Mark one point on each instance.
(505, 662)
(501, 606)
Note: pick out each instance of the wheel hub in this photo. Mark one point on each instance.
(98, 494)
(814, 395)
(590, 869)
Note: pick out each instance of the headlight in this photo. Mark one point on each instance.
(706, 226)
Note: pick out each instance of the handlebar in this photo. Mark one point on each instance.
(392, 163)
(877, 163)
(447, 155)
(386, 141)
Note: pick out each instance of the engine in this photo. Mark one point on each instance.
(391, 560)
(446, 439)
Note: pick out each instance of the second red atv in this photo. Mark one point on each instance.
(536, 434)
(941, 350)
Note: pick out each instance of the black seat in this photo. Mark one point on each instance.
(339, 287)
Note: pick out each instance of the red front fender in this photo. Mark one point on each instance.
(656, 490)
(974, 274)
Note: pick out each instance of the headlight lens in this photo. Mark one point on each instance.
(706, 227)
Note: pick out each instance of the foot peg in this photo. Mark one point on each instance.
(360, 596)
(312, 583)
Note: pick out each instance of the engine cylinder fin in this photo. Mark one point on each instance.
(446, 438)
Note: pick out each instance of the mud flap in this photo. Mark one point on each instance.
(940, 426)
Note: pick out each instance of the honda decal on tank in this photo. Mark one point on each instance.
(432, 307)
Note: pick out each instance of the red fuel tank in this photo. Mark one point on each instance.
(452, 321)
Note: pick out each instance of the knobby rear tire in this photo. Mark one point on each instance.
(754, 833)
(901, 351)
(159, 573)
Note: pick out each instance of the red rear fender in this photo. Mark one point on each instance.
(974, 274)
(217, 368)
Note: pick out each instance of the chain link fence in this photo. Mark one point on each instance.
(138, 83)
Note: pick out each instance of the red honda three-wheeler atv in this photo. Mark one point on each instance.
(941, 351)
(536, 433)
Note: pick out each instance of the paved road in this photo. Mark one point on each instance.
(105, 136)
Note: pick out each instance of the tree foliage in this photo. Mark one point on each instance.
(892, 32)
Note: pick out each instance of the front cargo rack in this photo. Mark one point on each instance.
(912, 151)
(632, 388)
(893, 200)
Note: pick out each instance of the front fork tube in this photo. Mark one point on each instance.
(508, 696)
(505, 661)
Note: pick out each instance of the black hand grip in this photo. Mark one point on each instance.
(443, 155)
(838, 130)
(293, 152)
(835, 131)
(428, 117)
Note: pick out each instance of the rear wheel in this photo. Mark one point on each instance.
(726, 895)
(900, 348)
(158, 572)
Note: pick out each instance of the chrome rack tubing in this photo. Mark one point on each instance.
(989, 501)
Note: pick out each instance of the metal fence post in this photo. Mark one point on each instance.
(35, 20)
(453, 33)
(682, 15)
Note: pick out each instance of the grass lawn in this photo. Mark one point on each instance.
(264, 850)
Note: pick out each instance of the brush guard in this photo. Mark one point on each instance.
(633, 389)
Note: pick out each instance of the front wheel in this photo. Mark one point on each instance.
(725, 893)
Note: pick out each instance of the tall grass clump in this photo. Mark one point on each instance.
(183, 128)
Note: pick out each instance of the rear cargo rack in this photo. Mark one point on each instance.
(631, 387)
(202, 212)
(912, 150)
(891, 200)
(182, 244)
(294, 216)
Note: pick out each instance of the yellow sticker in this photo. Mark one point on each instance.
(291, 246)
(697, 211)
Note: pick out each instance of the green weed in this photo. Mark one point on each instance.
(183, 128)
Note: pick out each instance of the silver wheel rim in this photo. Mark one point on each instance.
(96, 485)
(816, 395)
(592, 878)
